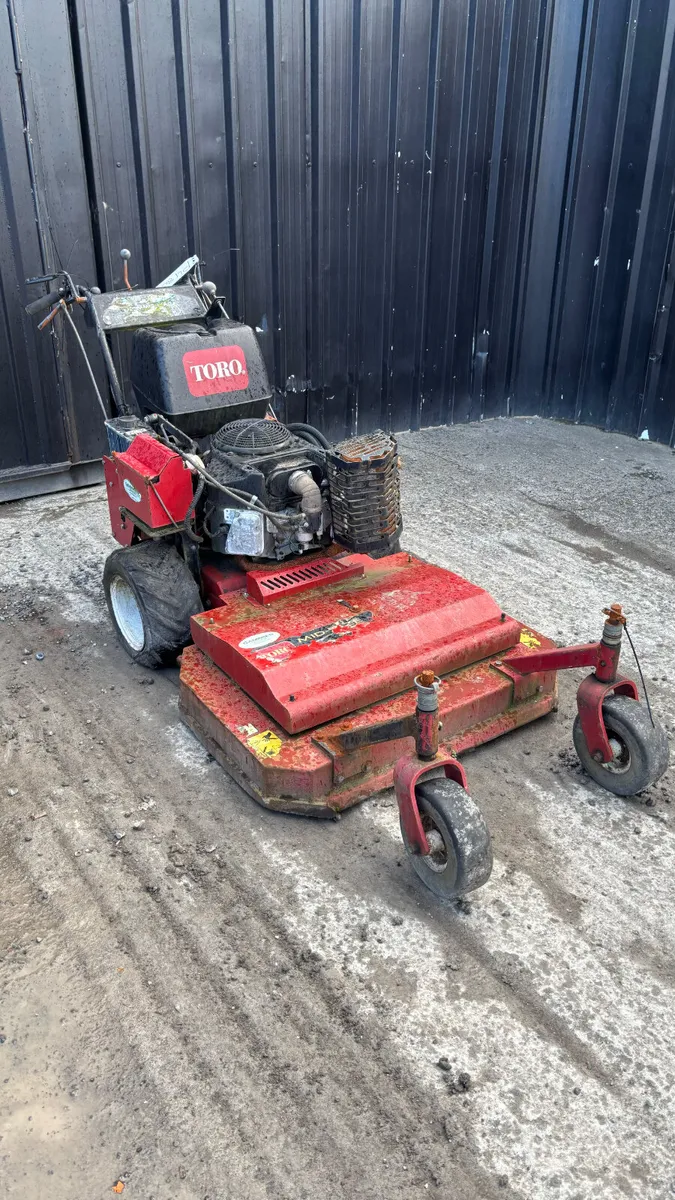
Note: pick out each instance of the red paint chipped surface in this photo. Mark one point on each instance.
(344, 646)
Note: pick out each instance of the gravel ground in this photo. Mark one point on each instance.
(207, 1000)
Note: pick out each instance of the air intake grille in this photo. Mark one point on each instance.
(254, 436)
(265, 586)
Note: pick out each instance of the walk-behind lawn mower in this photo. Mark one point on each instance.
(319, 663)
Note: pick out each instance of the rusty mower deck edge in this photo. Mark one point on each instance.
(305, 773)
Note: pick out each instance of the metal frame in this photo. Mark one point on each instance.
(605, 680)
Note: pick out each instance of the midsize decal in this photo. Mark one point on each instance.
(323, 635)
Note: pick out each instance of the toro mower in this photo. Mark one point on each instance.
(319, 662)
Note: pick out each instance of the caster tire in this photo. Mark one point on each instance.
(151, 595)
(641, 750)
(461, 854)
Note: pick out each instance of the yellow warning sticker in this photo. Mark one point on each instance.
(265, 744)
(528, 639)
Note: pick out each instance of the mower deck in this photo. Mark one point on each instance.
(312, 712)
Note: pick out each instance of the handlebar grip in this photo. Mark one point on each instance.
(42, 303)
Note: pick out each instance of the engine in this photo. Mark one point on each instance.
(239, 483)
(285, 473)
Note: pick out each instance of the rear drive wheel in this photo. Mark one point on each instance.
(151, 595)
(459, 840)
(640, 749)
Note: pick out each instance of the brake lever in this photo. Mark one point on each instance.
(61, 304)
(50, 316)
(43, 278)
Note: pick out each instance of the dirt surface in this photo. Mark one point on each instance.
(204, 999)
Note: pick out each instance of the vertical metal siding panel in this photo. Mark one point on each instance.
(353, 302)
(448, 169)
(645, 33)
(624, 65)
(331, 119)
(202, 105)
(62, 190)
(528, 43)
(482, 333)
(292, 178)
(118, 192)
(390, 233)
(118, 199)
(548, 209)
(460, 186)
(649, 404)
(561, 403)
(488, 37)
(658, 415)
(21, 439)
(314, 313)
(417, 62)
(249, 50)
(529, 196)
(375, 192)
(649, 252)
(231, 125)
(586, 202)
(151, 63)
(31, 429)
(134, 63)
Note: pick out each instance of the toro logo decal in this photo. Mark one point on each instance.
(221, 369)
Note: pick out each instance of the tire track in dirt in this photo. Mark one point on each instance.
(556, 971)
(196, 942)
(340, 1033)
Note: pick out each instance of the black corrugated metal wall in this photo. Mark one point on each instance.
(432, 210)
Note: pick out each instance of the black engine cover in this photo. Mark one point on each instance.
(200, 375)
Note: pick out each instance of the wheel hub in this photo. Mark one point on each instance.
(620, 761)
(437, 857)
(127, 613)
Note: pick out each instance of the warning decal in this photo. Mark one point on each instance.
(265, 744)
(528, 639)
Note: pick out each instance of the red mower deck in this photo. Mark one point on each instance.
(307, 659)
(313, 710)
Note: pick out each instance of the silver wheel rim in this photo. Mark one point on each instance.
(127, 613)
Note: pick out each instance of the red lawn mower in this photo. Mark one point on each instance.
(319, 663)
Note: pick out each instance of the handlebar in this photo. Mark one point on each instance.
(68, 292)
(43, 302)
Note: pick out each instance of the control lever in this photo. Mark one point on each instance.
(125, 255)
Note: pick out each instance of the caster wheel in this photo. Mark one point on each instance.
(461, 854)
(640, 749)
